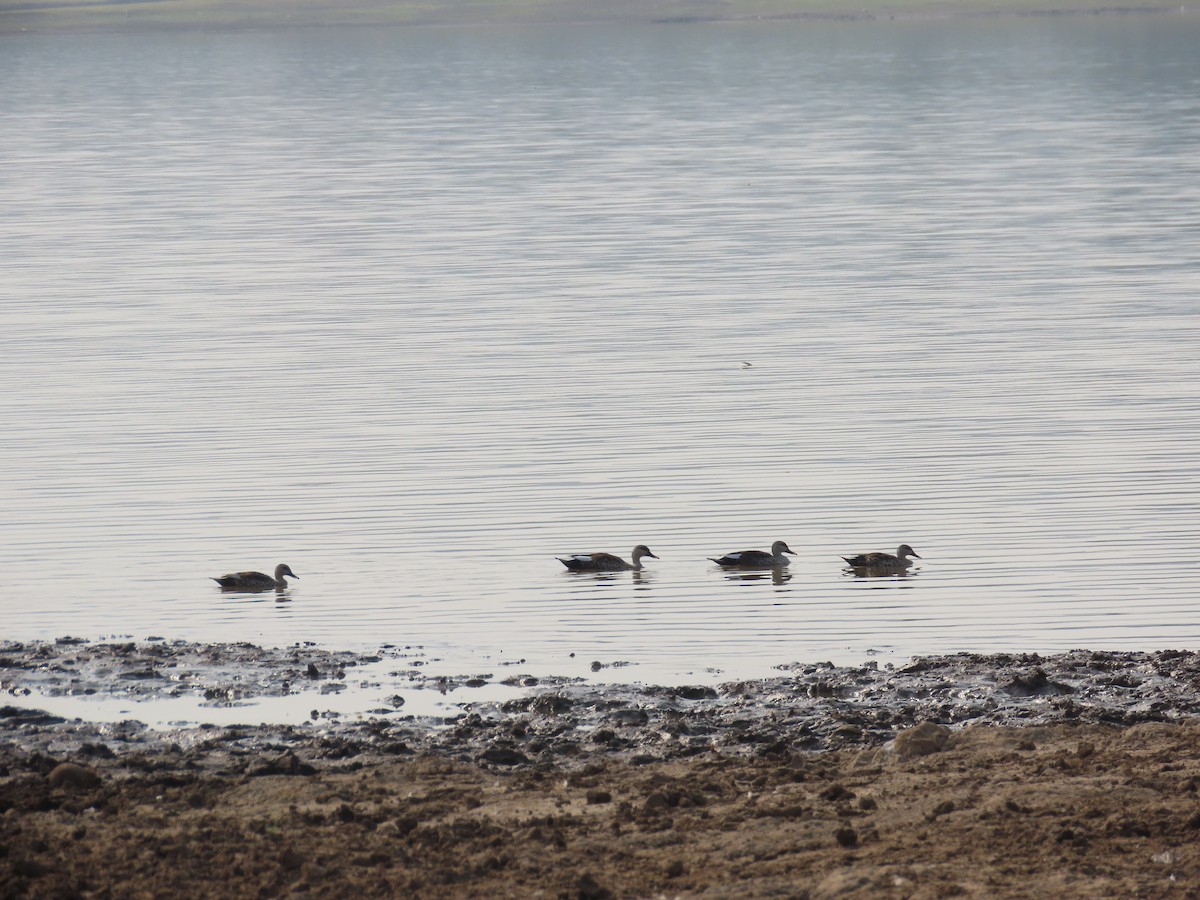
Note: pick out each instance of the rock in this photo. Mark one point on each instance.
(590, 890)
(18, 716)
(921, 740)
(836, 792)
(550, 704)
(285, 763)
(1035, 684)
(504, 756)
(73, 776)
(942, 809)
(632, 717)
(659, 800)
(594, 797)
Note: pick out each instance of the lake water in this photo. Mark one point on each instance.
(416, 310)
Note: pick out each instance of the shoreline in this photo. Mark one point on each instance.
(969, 775)
(388, 695)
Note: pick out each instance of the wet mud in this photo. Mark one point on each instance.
(1005, 775)
(556, 721)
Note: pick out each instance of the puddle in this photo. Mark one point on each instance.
(176, 684)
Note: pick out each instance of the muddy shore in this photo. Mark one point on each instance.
(1008, 775)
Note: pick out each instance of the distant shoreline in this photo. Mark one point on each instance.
(140, 16)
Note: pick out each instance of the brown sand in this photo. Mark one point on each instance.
(1068, 810)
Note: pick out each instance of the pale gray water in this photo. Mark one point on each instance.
(414, 311)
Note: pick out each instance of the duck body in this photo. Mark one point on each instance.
(256, 581)
(883, 562)
(757, 559)
(606, 562)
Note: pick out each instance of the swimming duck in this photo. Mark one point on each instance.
(256, 581)
(757, 559)
(605, 562)
(883, 562)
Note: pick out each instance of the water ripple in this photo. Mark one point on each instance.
(419, 324)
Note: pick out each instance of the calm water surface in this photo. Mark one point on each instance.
(414, 311)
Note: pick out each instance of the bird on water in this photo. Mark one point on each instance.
(605, 562)
(757, 559)
(256, 581)
(883, 562)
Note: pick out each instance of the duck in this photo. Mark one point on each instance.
(606, 562)
(757, 559)
(883, 562)
(256, 581)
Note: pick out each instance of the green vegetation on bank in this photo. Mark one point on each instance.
(133, 15)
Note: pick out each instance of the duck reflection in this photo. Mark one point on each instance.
(866, 572)
(279, 598)
(776, 576)
(642, 579)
